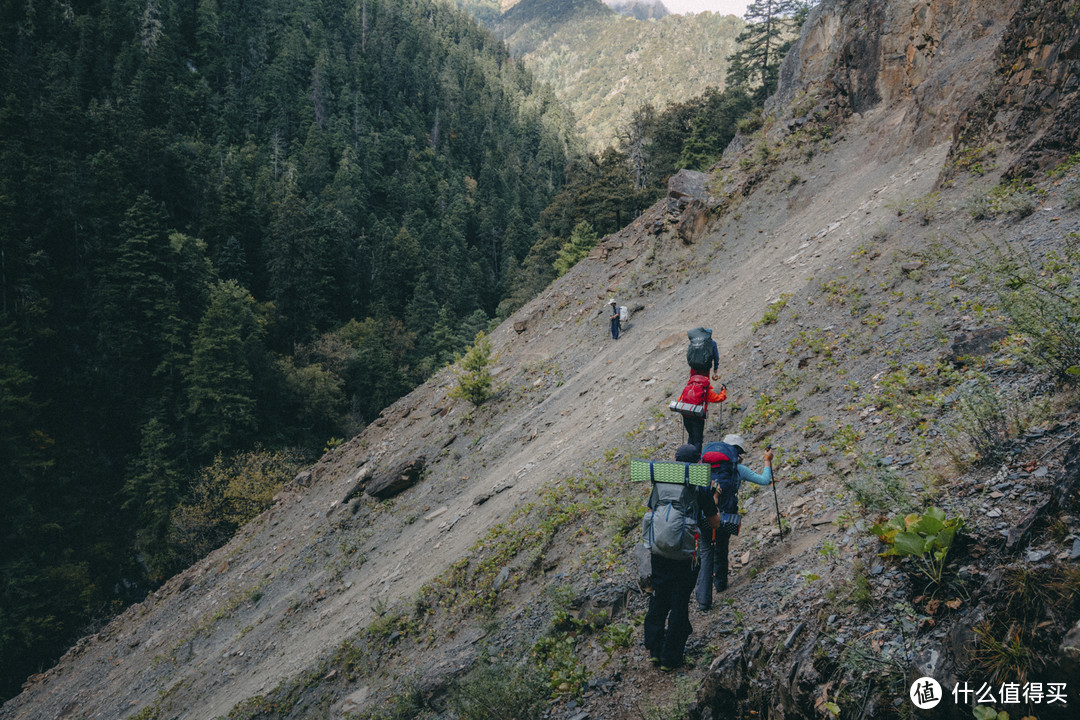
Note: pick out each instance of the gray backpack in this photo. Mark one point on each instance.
(670, 527)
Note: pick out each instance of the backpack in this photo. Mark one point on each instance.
(624, 314)
(725, 473)
(670, 527)
(699, 354)
(694, 401)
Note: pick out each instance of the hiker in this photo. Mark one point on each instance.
(702, 353)
(667, 622)
(727, 475)
(614, 319)
(695, 426)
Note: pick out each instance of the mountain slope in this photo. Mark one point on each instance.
(605, 65)
(334, 603)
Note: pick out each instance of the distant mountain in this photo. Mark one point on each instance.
(605, 65)
(639, 9)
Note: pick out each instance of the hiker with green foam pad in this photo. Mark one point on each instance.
(673, 506)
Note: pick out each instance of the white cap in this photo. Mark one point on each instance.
(611, 301)
(734, 440)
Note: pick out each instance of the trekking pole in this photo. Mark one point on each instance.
(776, 500)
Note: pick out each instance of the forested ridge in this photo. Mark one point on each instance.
(231, 233)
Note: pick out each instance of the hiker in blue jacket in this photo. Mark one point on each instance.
(727, 475)
(614, 319)
(667, 622)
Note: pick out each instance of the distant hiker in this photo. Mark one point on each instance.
(727, 475)
(667, 622)
(614, 317)
(702, 352)
(693, 405)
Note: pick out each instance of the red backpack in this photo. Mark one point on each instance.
(694, 400)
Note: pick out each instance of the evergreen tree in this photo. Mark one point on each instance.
(474, 376)
(771, 27)
(219, 380)
(577, 247)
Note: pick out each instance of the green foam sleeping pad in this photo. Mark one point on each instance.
(669, 471)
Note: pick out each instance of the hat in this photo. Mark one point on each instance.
(611, 301)
(734, 440)
(687, 453)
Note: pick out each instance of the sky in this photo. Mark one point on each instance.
(725, 7)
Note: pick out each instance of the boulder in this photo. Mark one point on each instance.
(688, 184)
(976, 343)
(528, 322)
(401, 478)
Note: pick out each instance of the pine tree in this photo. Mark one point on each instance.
(771, 27)
(474, 375)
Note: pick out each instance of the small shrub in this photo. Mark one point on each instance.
(861, 594)
(1072, 194)
(498, 691)
(772, 312)
(982, 421)
(879, 490)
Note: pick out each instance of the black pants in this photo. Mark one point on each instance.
(714, 567)
(615, 328)
(667, 623)
(695, 427)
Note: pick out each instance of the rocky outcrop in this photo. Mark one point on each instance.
(397, 480)
(1034, 101)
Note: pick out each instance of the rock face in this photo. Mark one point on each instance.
(920, 63)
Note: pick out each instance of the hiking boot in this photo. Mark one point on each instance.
(654, 660)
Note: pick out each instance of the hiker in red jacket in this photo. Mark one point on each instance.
(695, 426)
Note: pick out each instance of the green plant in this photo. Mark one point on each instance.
(861, 594)
(1042, 300)
(828, 550)
(617, 635)
(768, 409)
(557, 659)
(474, 377)
(406, 705)
(984, 712)
(925, 538)
(879, 489)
